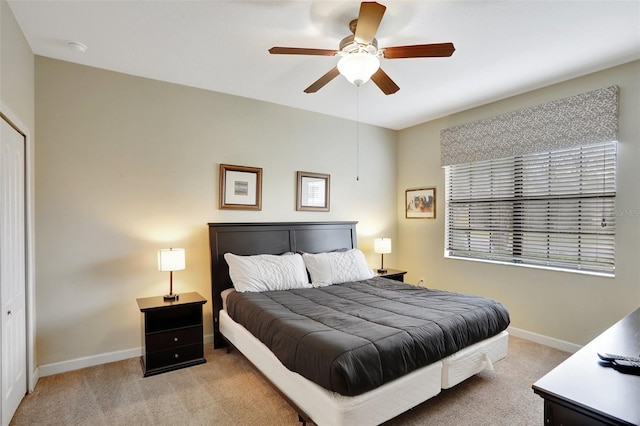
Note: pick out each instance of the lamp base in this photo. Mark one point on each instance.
(382, 271)
(171, 297)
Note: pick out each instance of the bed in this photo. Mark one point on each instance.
(317, 402)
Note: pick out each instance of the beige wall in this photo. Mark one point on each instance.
(16, 68)
(127, 165)
(571, 307)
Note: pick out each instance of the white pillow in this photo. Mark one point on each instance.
(267, 272)
(332, 268)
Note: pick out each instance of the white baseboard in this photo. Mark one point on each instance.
(90, 361)
(544, 340)
(35, 376)
(87, 361)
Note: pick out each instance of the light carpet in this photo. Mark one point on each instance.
(227, 390)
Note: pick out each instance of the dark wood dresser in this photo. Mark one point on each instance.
(172, 333)
(584, 391)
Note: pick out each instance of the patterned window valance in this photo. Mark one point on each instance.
(583, 119)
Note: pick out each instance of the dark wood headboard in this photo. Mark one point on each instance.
(268, 238)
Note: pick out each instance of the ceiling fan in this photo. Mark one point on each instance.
(360, 55)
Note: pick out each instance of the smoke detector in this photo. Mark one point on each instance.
(76, 46)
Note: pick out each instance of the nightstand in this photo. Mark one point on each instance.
(393, 274)
(172, 333)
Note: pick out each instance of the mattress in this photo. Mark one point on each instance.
(371, 408)
(353, 337)
(329, 408)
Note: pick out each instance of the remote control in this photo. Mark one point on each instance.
(611, 357)
(629, 367)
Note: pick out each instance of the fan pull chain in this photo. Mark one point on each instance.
(357, 134)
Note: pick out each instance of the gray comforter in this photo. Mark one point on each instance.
(353, 337)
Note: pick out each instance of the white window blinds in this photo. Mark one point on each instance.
(553, 209)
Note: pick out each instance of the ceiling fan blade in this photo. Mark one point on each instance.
(419, 51)
(319, 83)
(384, 82)
(368, 21)
(301, 51)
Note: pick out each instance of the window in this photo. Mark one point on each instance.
(553, 209)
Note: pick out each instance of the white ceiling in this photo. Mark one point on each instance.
(502, 48)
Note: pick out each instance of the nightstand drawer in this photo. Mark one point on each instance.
(174, 356)
(393, 274)
(174, 338)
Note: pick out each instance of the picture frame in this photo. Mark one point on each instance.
(420, 203)
(240, 187)
(313, 192)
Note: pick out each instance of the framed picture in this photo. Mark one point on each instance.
(313, 192)
(420, 203)
(240, 187)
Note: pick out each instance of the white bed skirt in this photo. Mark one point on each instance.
(473, 359)
(373, 407)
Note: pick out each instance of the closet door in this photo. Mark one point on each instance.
(13, 342)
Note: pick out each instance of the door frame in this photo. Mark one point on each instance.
(8, 115)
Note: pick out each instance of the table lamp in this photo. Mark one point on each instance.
(171, 259)
(382, 246)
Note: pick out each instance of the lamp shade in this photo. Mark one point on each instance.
(358, 67)
(171, 259)
(382, 245)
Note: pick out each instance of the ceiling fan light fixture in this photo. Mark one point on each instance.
(358, 67)
(360, 55)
